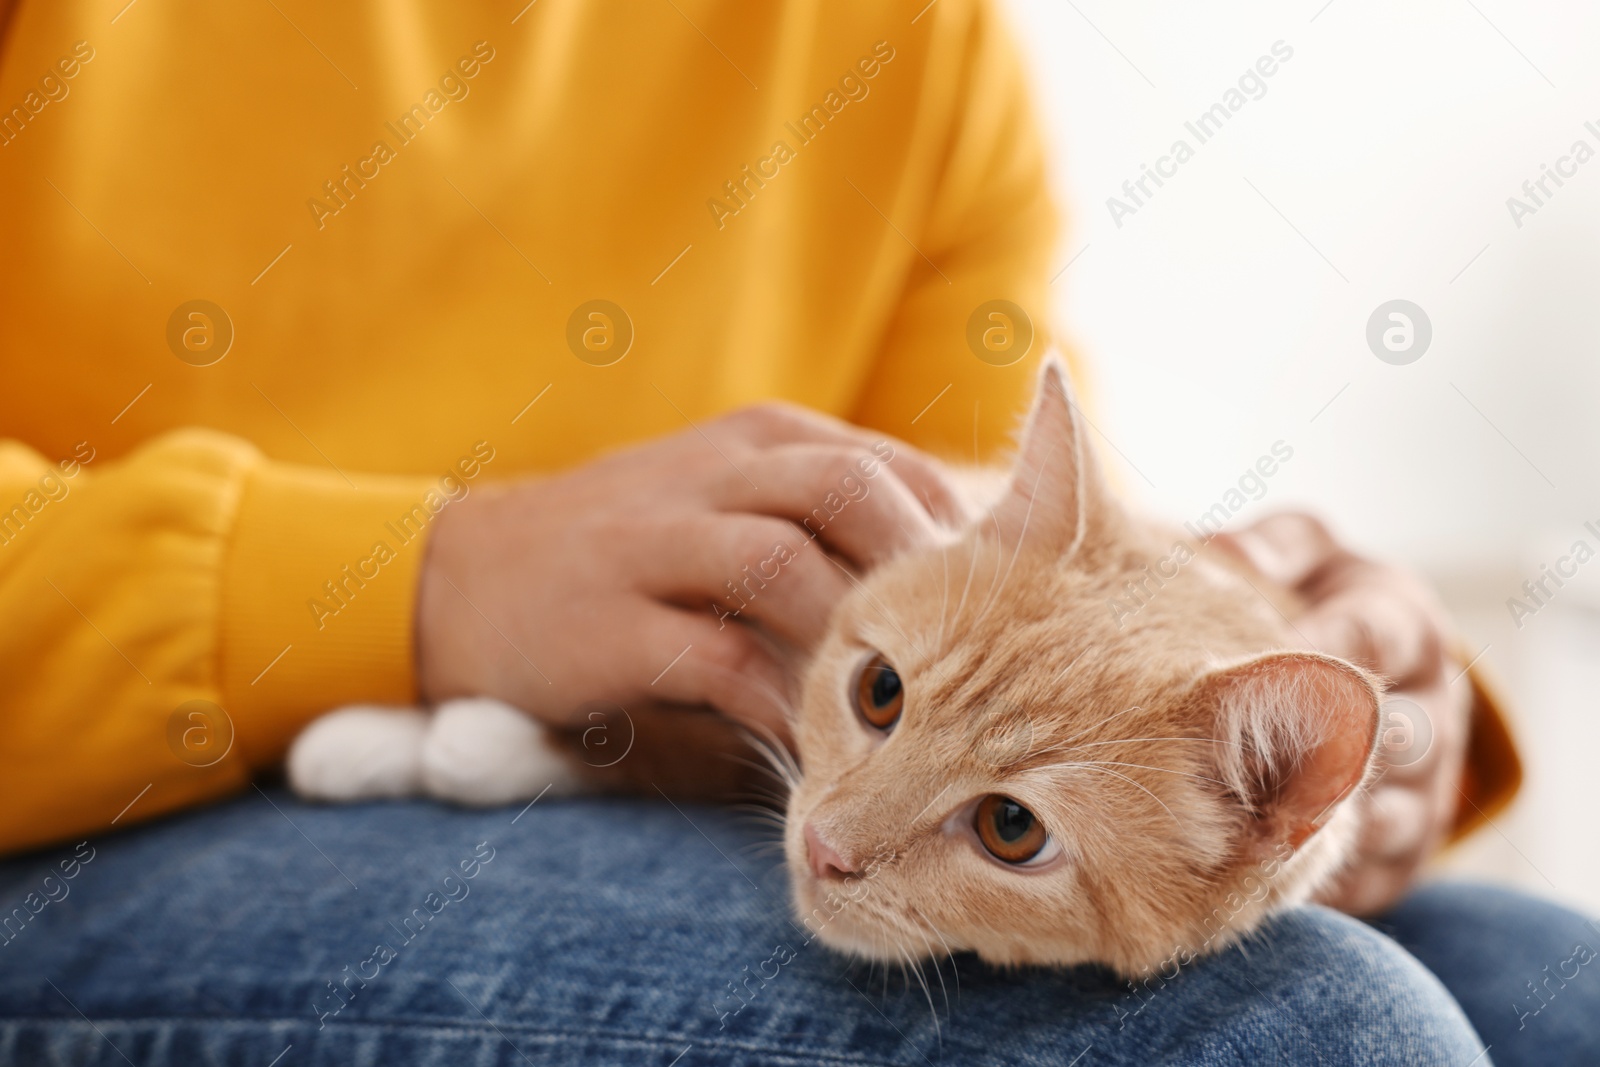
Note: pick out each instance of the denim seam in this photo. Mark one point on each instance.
(663, 1042)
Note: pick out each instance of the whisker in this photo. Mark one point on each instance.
(778, 700)
(1000, 554)
(762, 846)
(944, 595)
(774, 751)
(879, 939)
(758, 794)
(927, 993)
(1136, 785)
(955, 972)
(937, 970)
(1074, 663)
(972, 567)
(877, 606)
(1027, 517)
(1140, 766)
(770, 763)
(1115, 715)
(758, 814)
(763, 768)
(767, 838)
(776, 831)
(1130, 740)
(932, 576)
(757, 809)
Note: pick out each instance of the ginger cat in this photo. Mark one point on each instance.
(994, 760)
(988, 758)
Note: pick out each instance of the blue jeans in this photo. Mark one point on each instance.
(612, 932)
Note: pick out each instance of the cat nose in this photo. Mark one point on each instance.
(825, 862)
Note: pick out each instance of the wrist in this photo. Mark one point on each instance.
(436, 609)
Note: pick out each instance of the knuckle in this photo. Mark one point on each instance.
(741, 421)
(757, 536)
(745, 541)
(1308, 525)
(770, 411)
(733, 651)
(844, 465)
(1299, 528)
(1282, 531)
(770, 419)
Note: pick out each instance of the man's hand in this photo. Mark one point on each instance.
(1386, 620)
(599, 584)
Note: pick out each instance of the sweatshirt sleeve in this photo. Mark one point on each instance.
(1492, 773)
(172, 618)
(957, 365)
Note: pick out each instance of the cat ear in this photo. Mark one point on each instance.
(1056, 493)
(1299, 730)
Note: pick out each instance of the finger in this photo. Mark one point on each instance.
(1289, 548)
(747, 568)
(686, 753)
(728, 669)
(1379, 628)
(1370, 890)
(848, 497)
(1398, 825)
(775, 424)
(1423, 734)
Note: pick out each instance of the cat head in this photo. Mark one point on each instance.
(999, 755)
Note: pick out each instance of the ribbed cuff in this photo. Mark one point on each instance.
(318, 595)
(1492, 772)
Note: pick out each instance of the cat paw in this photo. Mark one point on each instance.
(482, 753)
(359, 753)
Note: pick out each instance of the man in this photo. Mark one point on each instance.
(300, 305)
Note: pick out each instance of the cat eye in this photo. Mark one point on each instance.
(878, 694)
(1011, 832)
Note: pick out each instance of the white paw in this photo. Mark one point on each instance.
(483, 752)
(359, 753)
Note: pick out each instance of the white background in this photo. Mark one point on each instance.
(1231, 309)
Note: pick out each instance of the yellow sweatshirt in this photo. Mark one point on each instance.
(280, 280)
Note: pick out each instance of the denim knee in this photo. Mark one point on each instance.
(1524, 969)
(1311, 986)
